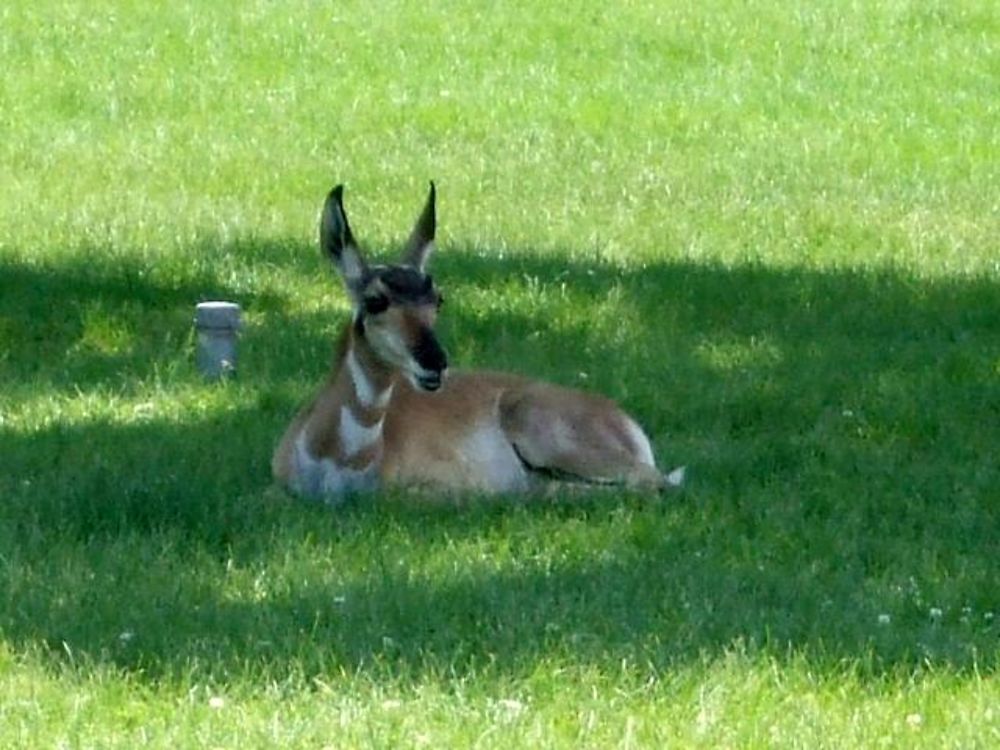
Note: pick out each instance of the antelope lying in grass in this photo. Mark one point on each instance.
(388, 415)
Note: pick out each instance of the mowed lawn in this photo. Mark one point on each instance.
(770, 230)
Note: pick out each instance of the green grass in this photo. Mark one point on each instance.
(768, 229)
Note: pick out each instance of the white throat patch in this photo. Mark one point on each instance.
(354, 436)
(363, 387)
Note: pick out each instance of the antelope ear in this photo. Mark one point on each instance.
(421, 243)
(337, 242)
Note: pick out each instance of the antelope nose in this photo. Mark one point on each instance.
(430, 381)
(429, 353)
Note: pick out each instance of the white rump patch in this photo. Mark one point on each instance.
(354, 436)
(367, 395)
(644, 451)
(676, 477)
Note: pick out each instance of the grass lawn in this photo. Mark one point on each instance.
(768, 229)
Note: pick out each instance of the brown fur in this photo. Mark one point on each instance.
(481, 431)
(426, 436)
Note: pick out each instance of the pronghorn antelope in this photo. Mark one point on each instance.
(387, 415)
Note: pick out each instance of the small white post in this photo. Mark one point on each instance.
(217, 324)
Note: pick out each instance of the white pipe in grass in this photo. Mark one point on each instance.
(217, 324)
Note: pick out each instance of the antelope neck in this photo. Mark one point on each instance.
(352, 438)
(371, 381)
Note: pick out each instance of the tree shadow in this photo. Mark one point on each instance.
(79, 324)
(840, 427)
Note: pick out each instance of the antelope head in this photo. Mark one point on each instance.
(395, 306)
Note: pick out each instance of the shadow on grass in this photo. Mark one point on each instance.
(841, 430)
(109, 323)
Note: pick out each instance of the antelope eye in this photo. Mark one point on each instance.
(377, 304)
